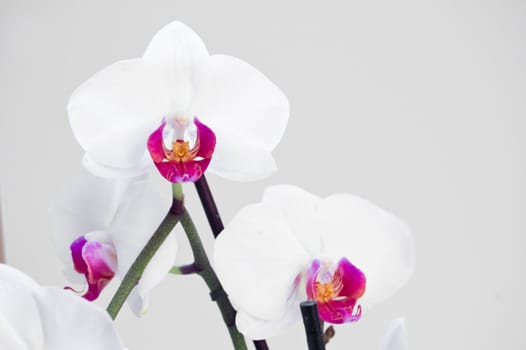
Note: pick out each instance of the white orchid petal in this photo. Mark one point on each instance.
(84, 205)
(137, 303)
(114, 112)
(111, 172)
(257, 260)
(20, 326)
(238, 157)
(139, 215)
(375, 241)
(232, 92)
(9, 337)
(71, 322)
(33, 317)
(177, 52)
(122, 94)
(298, 208)
(176, 44)
(395, 337)
(256, 328)
(123, 148)
(14, 277)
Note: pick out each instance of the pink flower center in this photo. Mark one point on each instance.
(325, 292)
(182, 150)
(336, 290)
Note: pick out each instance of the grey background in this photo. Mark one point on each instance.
(418, 106)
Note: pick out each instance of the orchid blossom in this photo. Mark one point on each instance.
(178, 105)
(46, 318)
(341, 251)
(101, 225)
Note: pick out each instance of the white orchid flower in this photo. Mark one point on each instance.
(183, 105)
(100, 226)
(341, 251)
(47, 318)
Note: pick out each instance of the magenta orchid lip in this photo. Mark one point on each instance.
(177, 159)
(97, 261)
(336, 292)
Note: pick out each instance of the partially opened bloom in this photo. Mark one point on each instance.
(341, 251)
(47, 318)
(182, 108)
(101, 225)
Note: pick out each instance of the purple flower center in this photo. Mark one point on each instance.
(336, 290)
(180, 153)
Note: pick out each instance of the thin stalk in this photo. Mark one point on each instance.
(216, 224)
(216, 290)
(136, 270)
(209, 205)
(313, 327)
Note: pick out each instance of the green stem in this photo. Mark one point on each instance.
(216, 290)
(136, 270)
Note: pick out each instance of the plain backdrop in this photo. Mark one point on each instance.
(418, 106)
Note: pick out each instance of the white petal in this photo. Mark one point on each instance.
(9, 336)
(257, 260)
(122, 150)
(139, 215)
(20, 326)
(395, 336)
(120, 106)
(122, 94)
(176, 44)
(177, 51)
(111, 172)
(298, 208)
(16, 278)
(85, 205)
(374, 240)
(255, 328)
(240, 158)
(70, 322)
(32, 317)
(232, 93)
